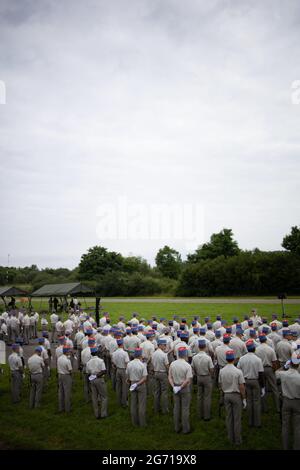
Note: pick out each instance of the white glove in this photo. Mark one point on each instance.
(133, 387)
(263, 392)
(176, 389)
(244, 403)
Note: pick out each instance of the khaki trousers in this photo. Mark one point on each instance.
(99, 393)
(182, 401)
(26, 334)
(86, 386)
(205, 386)
(16, 385)
(161, 387)
(233, 407)
(36, 389)
(272, 387)
(53, 332)
(291, 423)
(253, 402)
(138, 405)
(121, 387)
(64, 392)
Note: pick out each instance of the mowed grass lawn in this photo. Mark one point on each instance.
(22, 428)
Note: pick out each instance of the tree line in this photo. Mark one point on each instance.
(216, 268)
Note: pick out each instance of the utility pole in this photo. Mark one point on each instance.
(7, 272)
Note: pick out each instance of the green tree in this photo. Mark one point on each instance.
(168, 262)
(291, 242)
(220, 244)
(97, 261)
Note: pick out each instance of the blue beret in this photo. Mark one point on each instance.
(229, 329)
(41, 340)
(202, 330)
(202, 343)
(262, 338)
(286, 332)
(38, 349)
(171, 323)
(239, 331)
(196, 329)
(66, 349)
(218, 333)
(184, 334)
(229, 355)
(120, 341)
(138, 352)
(182, 351)
(162, 341)
(94, 350)
(250, 345)
(219, 317)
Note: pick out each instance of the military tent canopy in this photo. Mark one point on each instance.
(62, 290)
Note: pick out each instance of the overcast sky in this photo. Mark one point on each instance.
(113, 103)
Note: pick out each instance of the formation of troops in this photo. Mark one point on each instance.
(247, 361)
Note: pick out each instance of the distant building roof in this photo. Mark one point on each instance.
(72, 288)
(8, 291)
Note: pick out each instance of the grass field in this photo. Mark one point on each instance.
(189, 310)
(21, 428)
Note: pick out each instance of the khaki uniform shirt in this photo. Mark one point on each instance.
(120, 358)
(36, 364)
(290, 383)
(284, 350)
(160, 361)
(95, 365)
(136, 370)
(58, 351)
(14, 362)
(238, 346)
(64, 365)
(85, 355)
(148, 349)
(220, 354)
(230, 378)
(250, 365)
(180, 370)
(202, 364)
(131, 343)
(266, 354)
